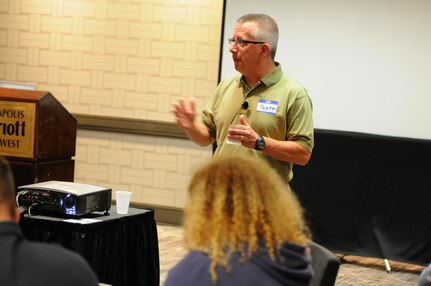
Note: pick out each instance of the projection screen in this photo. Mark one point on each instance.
(366, 64)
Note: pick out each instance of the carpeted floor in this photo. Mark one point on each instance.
(353, 271)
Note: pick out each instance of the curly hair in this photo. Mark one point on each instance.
(235, 204)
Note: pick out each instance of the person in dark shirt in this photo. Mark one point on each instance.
(24, 263)
(242, 226)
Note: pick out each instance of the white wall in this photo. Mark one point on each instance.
(366, 64)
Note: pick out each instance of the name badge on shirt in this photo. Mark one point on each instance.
(267, 106)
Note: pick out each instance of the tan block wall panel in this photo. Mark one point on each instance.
(172, 50)
(75, 77)
(10, 71)
(96, 79)
(33, 74)
(121, 11)
(164, 85)
(98, 62)
(122, 46)
(61, 92)
(14, 22)
(4, 6)
(187, 70)
(12, 38)
(54, 58)
(157, 170)
(124, 58)
(202, 3)
(100, 27)
(35, 40)
(209, 16)
(148, 66)
(206, 52)
(120, 81)
(3, 38)
(187, 33)
(35, 6)
(204, 87)
(96, 96)
(141, 30)
(2, 70)
(133, 99)
(53, 77)
(13, 56)
(56, 24)
(161, 2)
(79, 8)
(87, 173)
(170, 14)
(33, 57)
(139, 40)
(101, 9)
(57, 8)
(78, 26)
(55, 43)
(77, 43)
(35, 23)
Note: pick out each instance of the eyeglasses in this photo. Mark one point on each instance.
(243, 43)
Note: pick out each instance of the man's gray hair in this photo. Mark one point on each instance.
(267, 30)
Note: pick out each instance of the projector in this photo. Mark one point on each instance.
(63, 198)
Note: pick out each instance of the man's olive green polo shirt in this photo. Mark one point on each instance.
(278, 107)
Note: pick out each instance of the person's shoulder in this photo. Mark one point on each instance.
(193, 269)
(295, 89)
(50, 249)
(196, 259)
(57, 254)
(59, 260)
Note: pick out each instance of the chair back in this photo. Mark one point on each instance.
(325, 265)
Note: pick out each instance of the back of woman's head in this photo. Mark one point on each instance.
(235, 202)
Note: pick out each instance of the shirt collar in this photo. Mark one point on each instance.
(268, 80)
(273, 76)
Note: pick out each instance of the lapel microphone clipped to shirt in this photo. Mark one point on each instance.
(244, 105)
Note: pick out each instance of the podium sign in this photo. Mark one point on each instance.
(17, 124)
(37, 136)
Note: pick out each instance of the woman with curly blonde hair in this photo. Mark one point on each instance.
(243, 226)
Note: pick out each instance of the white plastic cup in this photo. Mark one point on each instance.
(231, 141)
(123, 201)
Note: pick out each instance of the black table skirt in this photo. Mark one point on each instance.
(368, 195)
(121, 249)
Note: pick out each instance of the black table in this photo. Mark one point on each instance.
(121, 249)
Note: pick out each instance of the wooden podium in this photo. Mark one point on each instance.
(37, 136)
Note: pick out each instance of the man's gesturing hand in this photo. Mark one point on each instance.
(185, 116)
